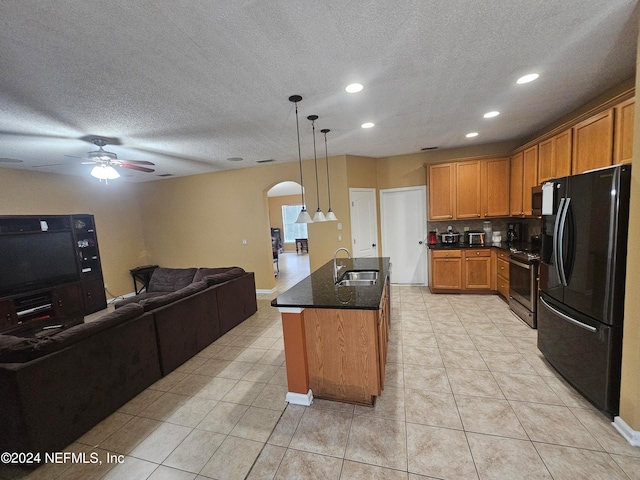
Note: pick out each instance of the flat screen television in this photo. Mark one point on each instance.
(36, 260)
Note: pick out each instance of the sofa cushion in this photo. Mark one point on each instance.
(137, 298)
(218, 278)
(170, 279)
(162, 300)
(207, 272)
(32, 348)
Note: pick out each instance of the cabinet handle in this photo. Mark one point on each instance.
(486, 214)
(478, 214)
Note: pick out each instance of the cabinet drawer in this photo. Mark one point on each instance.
(446, 253)
(503, 286)
(485, 252)
(503, 269)
(503, 255)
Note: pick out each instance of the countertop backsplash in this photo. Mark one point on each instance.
(530, 226)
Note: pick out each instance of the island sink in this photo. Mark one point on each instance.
(359, 278)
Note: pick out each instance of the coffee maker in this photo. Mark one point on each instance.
(514, 232)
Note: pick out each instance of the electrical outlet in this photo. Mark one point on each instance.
(339, 238)
(244, 241)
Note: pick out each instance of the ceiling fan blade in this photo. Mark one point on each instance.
(75, 156)
(88, 162)
(136, 162)
(50, 165)
(136, 167)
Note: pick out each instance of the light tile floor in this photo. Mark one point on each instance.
(467, 396)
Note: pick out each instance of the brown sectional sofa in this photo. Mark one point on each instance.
(54, 389)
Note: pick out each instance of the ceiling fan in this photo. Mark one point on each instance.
(105, 161)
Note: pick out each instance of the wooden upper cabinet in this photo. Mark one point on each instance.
(554, 157)
(515, 191)
(495, 187)
(593, 143)
(468, 188)
(441, 183)
(624, 131)
(529, 177)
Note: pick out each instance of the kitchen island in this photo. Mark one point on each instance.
(336, 336)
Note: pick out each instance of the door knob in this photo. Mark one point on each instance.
(420, 242)
(373, 244)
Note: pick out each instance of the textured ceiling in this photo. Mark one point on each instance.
(188, 84)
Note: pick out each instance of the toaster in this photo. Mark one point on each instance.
(475, 238)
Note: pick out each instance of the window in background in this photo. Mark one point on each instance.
(292, 230)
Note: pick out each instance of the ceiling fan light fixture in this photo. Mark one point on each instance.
(104, 172)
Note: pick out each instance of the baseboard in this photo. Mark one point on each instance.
(300, 398)
(264, 291)
(121, 297)
(632, 436)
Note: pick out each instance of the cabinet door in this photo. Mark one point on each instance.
(593, 143)
(562, 154)
(94, 297)
(446, 269)
(67, 301)
(554, 157)
(477, 269)
(468, 204)
(545, 160)
(495, 187)
(441, 181)
(624, 131)
(6, 314)
(515, 195)
(529, 177)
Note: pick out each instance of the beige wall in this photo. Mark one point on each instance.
(630, 389)
(115, 207)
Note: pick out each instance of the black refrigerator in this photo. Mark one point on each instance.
(585, 221)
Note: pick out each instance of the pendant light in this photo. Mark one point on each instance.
(303, 216)
(331, 217)
(319, 216)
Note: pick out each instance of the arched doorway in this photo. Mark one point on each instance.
(290, 266)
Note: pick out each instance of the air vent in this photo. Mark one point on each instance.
(235, 159)
(165, 175)
(428, 148)
(268, 160)
(9, 160)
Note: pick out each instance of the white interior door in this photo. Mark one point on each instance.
(364, 222)
(403, 217)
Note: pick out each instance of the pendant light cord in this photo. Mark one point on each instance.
(299, 156)
(315, 159)
(326, 156)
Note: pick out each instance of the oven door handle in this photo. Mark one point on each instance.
(568, 318)
(520, 264)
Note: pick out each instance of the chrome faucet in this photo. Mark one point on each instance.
(336, 267)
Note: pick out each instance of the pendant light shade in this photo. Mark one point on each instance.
(319, 216)
(104, 172)
(331, 217)
(303, 216)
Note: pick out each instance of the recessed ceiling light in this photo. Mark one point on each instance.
(528, 78)
(235, 159)
(368, 125)
(354, 88)
(491, 114)
(472, 134)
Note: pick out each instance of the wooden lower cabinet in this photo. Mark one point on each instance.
(476, 269)
(446, 270)
(347, 352)
(502, 273)
(465, 270)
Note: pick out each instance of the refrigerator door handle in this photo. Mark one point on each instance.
(556, 232)
(568, 318)
(560, 258)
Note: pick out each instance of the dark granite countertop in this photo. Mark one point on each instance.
(319, 291)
